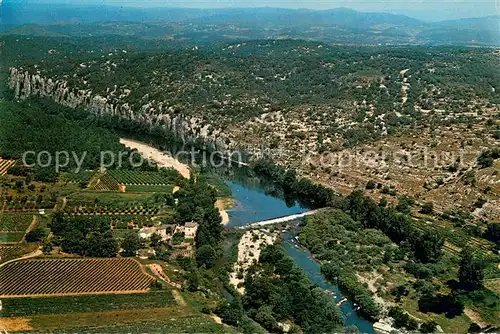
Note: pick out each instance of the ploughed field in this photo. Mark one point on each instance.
(72, 277)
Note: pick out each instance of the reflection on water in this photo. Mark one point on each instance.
(253, 205)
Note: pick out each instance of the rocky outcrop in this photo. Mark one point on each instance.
(153, 113)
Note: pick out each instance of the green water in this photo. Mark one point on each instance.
(253, 204)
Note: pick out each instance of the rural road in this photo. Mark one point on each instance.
(27, 256)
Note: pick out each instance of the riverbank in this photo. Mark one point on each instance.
(224, 204)
(162, 159)
(249, 248)
(306, 261)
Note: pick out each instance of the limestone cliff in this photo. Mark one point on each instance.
(153, 113)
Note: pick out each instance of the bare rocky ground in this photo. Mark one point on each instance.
(435, 164)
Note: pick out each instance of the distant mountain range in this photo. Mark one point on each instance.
(337, 25)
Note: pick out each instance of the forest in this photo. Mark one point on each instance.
(48, 127)
(277, 290)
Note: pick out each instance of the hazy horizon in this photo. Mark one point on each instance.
(421, 9)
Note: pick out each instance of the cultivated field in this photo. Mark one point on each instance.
(25, 307)
(72, 277)
(5, 165)
(129, 177)
(10, 252)
(80, 177)
(103, 182)
(15, 222)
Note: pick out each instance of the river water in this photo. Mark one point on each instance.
(255, 200)
(253, 203)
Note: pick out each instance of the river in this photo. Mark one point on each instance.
(256, 200)
(255, 204)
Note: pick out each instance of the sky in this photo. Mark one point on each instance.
(429, 10)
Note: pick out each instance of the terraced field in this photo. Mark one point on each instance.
(72, 277)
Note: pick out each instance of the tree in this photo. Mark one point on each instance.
(210, 229)
(19, 185)
(155, 240)
(231, 313)
(206, 256)
(493, 233)
(427, 208)
(265, 317)
(371, 185)
(400, 317)
(428, 247)
(36, 235)
(428, 327)
(470, 273)
(130, 244)
(47, 246)
(99, 244)
(485, 160)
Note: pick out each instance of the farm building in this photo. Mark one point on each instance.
(166, 231)
(189, 230)
(146, 232)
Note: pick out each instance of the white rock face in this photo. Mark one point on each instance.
(153, 113)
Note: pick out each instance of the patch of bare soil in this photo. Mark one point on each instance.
(371, 281)
(222, 206)
(216, 318)
(15, 324)
(178, 298)
(475, 317)
(157, 156)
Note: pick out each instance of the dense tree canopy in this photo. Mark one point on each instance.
(277, 290)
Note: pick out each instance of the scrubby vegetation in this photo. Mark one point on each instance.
(401, 264)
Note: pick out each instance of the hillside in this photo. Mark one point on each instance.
(304, 102)
(339, 25)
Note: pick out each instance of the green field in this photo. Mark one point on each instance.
(190, 324)
(15, 222)
(149, 189)
(11, 236)
(20, 307)
(129, 177)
